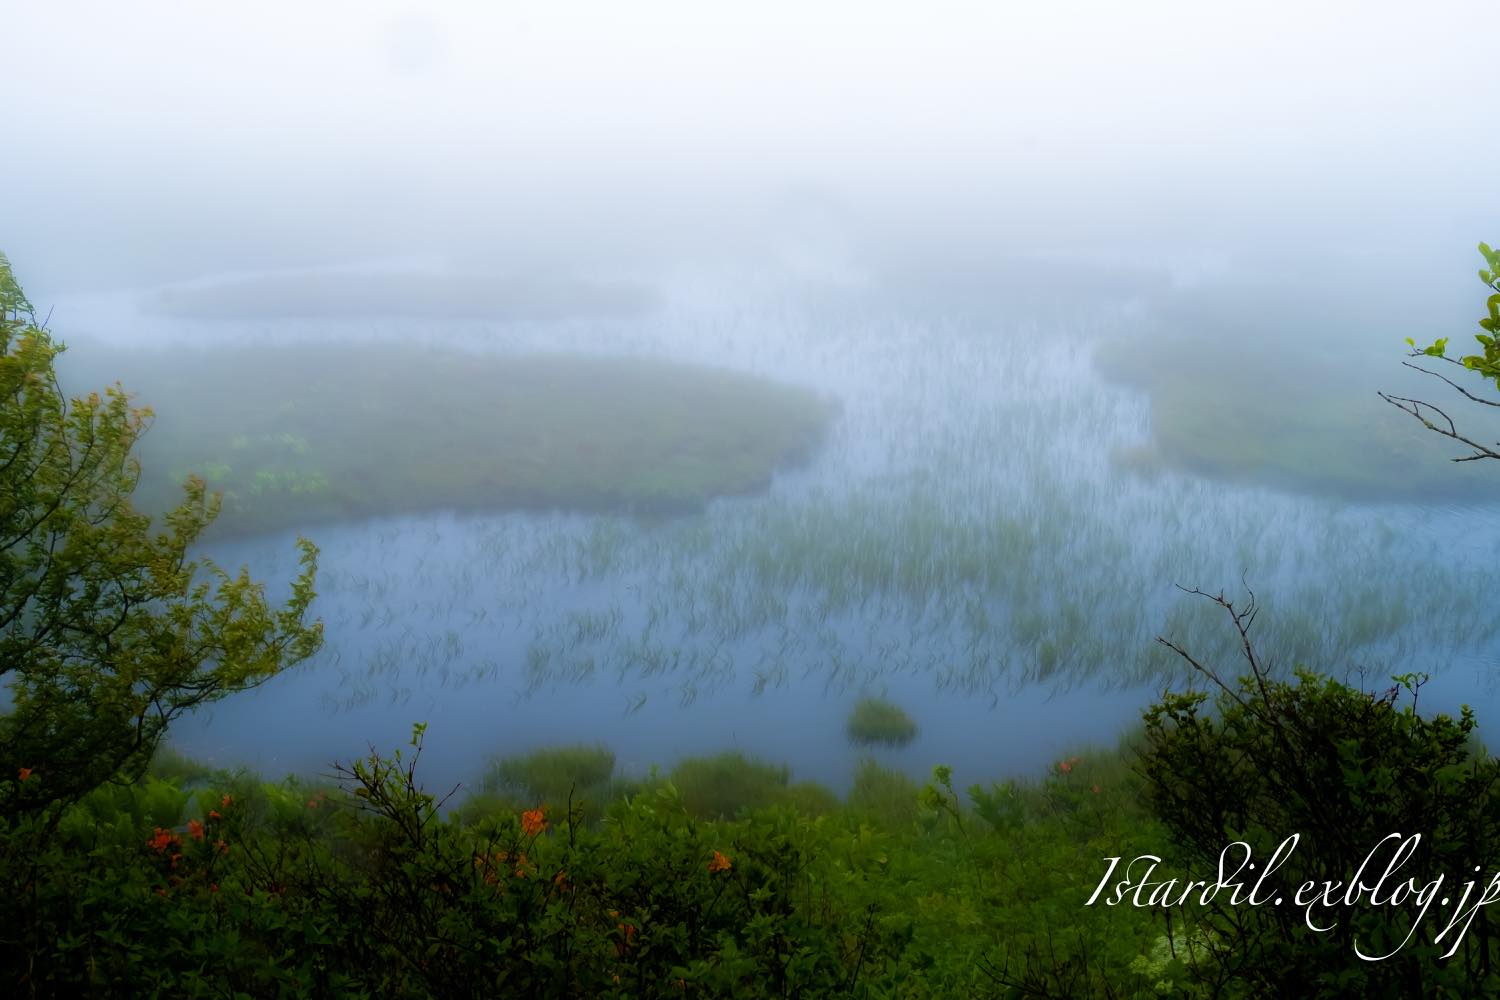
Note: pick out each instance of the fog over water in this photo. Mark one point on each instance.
(1100, 296)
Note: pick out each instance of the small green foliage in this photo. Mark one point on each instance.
(1486, 363)
(877, 721)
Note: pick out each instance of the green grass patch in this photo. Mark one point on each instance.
(876, 721)
(295, 436)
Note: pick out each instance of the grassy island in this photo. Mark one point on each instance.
(295, 436)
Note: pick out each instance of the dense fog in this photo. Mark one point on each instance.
(843, 138)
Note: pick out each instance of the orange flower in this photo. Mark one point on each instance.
(214, 814)
(220, 846)
(720, 863)
(224, 802)
(1067, 765)
(195, 829)
(213, 887)
(25, 773)
(162, 839)
(533, 822)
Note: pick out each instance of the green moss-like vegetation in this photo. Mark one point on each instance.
(877, 721)
(297, 436)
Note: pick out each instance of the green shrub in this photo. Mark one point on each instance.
(877, 721)
(551, 774)
(294, 889)
(811, 799)
(479, 807)
(1258, 759)
(722, 785)
(117, 813)
(170, 764)
(885, 796)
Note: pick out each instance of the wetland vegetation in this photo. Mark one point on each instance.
(875, 721)
(1300, 411)
(401, 429)
(818, 500)
(666, 804)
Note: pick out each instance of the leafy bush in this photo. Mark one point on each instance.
(364, 887)
(884, 796)
(1342, 769)
(720, 786)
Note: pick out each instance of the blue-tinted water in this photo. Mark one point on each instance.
(965, 544)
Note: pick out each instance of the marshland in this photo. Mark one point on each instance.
(721, 524)
(656, 500)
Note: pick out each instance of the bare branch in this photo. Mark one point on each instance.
(1415, 408)
(1466, 392)
(1435, 357)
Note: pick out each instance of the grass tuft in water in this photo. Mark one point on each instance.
(877, 721)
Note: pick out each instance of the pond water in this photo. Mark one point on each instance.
(965, 544)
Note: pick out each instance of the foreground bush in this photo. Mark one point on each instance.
(1343, 769)
(365, 888)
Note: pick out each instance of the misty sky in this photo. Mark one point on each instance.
(162, 141)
